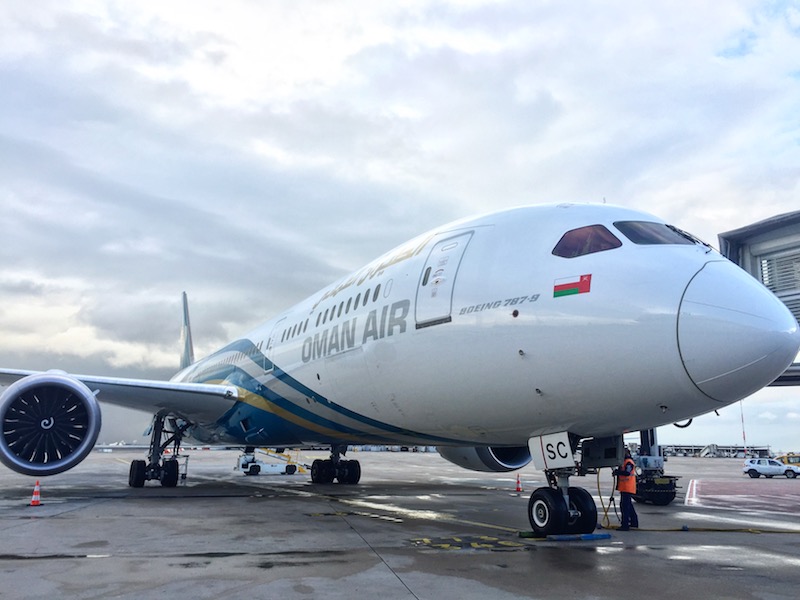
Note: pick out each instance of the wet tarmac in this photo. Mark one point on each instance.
(415, 527)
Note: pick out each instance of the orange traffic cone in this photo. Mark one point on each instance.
(35, 499)
(519, 484)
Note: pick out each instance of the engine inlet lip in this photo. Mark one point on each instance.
(84, 401)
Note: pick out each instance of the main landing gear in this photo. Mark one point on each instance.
(344, 471)
(165, 470)
(560, 509)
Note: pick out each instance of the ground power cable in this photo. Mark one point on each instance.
(606, 522)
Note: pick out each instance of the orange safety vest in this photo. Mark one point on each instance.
(627, 483)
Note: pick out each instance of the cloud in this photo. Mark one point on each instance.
(250, 154)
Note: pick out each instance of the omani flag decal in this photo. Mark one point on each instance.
(572, 285)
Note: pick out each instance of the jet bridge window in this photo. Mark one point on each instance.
(586, 240)
(646, 233)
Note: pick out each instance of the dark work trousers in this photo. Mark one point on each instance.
(629, 516)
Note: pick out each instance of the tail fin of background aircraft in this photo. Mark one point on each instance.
(187, 355)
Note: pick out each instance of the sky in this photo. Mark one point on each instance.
(250, 153)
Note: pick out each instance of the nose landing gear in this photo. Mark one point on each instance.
(560, 508)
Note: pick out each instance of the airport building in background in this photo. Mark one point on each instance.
(770, 251)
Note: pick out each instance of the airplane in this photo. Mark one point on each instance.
(540, 333)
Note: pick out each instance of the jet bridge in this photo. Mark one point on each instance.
(770, 251)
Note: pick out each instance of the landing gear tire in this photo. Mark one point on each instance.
(136, 476)
(343, 471)
(169, 477)
(349, 472)
(355, 472)
(547, 512)
(322, 471)
(316, 471)
(581, 501)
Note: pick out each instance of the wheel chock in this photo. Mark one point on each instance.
(566, 537)
(586, 537)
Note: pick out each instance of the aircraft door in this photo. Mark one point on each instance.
(436, 285)
(271, 343)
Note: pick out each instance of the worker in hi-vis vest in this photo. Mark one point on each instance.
(626, 484)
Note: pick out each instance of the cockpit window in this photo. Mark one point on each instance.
(586, 240)
(647, 233)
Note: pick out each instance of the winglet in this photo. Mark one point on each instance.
(187, 355)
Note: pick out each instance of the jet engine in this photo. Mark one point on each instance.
(50, 422)
(485, 458)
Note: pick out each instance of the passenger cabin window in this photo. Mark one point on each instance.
(646, 233)
(586, 240)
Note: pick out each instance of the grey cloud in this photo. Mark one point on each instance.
(121, 188)
(43, 359)
(23, 287)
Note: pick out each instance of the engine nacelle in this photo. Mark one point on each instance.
(483, 458)
(50, 422)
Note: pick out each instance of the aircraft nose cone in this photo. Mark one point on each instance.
(734, 335)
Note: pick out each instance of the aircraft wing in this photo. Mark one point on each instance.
(198, 402)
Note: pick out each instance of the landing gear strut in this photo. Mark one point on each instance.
(344, 471)
(560, 508)
(166, 471)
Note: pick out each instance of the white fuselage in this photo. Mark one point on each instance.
(478, 334)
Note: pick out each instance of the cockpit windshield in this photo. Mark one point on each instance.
(647, 233)
(586, 240)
